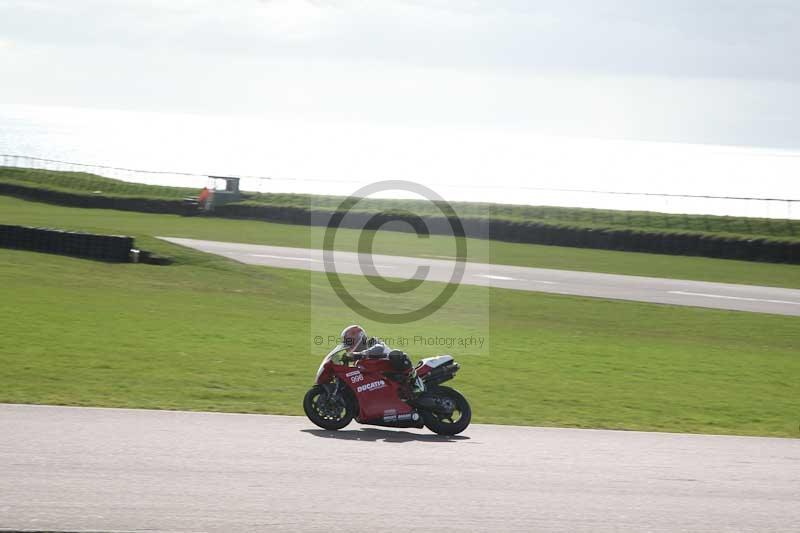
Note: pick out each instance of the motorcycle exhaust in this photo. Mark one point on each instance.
(429, 403)
(441, 374)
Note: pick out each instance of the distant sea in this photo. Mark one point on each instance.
(472, 163)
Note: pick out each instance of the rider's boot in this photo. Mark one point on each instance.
(415, 383)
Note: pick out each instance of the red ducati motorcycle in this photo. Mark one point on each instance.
(374, 392)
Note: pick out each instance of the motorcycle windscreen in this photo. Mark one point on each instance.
(334, 356)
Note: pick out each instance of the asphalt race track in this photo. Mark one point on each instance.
(636, 288)
(78, 469)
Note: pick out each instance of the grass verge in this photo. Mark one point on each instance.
(144, 225)
(91, 184)
(211, 334)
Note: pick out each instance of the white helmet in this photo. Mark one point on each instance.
(353, 336)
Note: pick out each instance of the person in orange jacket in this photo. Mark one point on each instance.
(203, 198)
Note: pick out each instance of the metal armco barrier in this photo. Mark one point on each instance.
(112, 248)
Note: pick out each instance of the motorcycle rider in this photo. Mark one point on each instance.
(360, 346)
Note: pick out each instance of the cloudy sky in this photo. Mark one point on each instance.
(713, 71)
(633, 95)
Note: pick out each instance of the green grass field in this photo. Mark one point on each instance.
(211, 334)
(144, 226)
(91, 184)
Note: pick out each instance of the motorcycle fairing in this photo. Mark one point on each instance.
(377, 395)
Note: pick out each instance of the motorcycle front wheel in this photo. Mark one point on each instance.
(325, 411)
(447, 423)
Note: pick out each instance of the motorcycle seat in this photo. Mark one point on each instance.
(435, 362)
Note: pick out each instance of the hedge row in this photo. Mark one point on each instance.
(147, 205)
(103, 247)
(82, 183)
(692, 244)
(664, 242)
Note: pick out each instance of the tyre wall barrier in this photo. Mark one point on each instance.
(87, 245)
(529, 232)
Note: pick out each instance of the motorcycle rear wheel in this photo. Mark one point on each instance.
(454, 423)
(327, 413)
